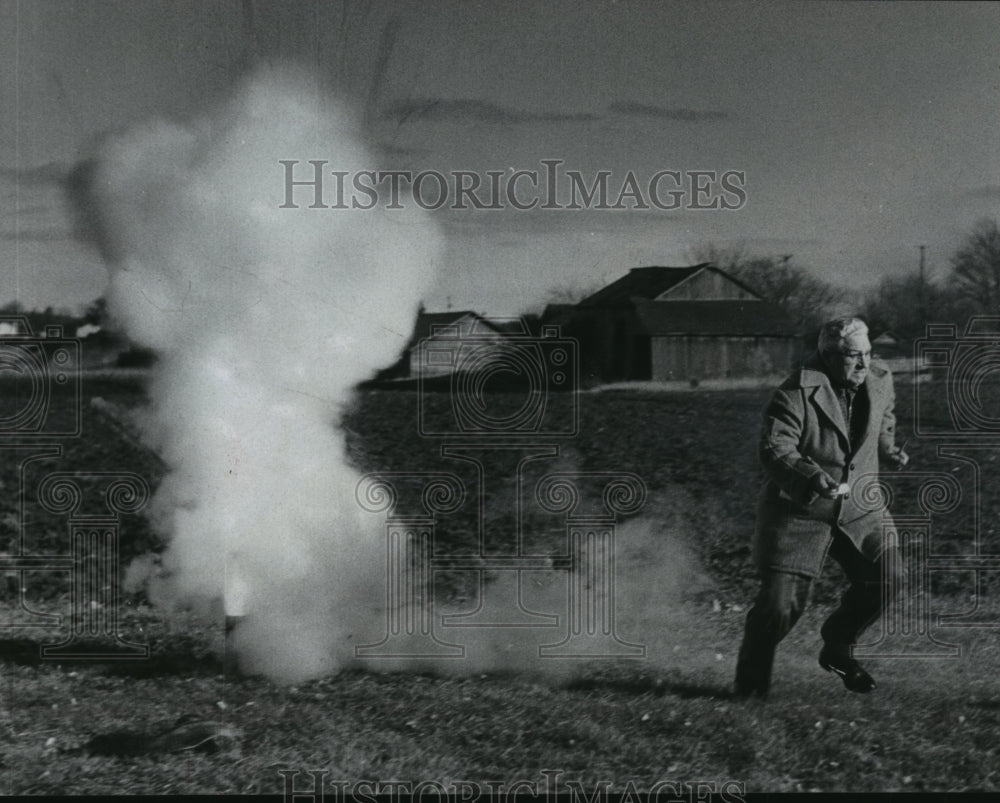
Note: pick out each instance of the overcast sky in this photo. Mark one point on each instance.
(862, 130)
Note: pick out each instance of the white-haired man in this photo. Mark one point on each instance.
(825, 427)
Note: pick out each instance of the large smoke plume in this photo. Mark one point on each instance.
(265, 318)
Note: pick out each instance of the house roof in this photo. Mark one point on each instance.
(427, 322)
(714, 317)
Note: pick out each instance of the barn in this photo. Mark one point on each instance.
(678, 323)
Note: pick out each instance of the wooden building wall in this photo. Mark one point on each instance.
(687, 357)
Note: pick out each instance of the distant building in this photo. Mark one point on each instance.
(894, 351)
(444, 327)
(666, 323)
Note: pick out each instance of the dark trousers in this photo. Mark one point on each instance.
(783, 597)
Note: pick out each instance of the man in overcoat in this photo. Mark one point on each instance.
(825, 427)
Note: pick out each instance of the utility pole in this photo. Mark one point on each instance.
(922, 298)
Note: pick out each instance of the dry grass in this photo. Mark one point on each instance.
(931, 725)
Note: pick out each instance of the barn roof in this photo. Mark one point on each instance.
(645, 283)
(648, 283)
(746, 317)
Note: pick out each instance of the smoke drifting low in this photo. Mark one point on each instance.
(265, 319)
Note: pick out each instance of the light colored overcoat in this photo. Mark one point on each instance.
(803, 433)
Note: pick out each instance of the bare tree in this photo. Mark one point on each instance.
(572, 292)
(906, 304)
(807, 299)
(975, 267)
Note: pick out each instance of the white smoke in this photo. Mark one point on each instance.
(265, 318)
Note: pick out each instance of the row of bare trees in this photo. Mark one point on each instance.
(903, 305)
(808, 300)
(906, 304)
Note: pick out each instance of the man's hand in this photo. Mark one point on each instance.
(898, 459)
(826, 486)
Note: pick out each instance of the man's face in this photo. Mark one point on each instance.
(849, 364)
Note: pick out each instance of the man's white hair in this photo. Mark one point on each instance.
(833, 334)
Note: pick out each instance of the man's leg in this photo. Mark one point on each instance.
(778, 606)
(869, 594)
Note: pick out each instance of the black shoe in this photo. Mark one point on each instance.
(855, 678)
(744, 689)
(745, 692)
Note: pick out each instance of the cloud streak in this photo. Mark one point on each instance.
(679, 114)
(989, 192)
(33, 204)
(50, 173)
(476, 111)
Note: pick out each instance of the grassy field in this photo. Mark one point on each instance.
(933, 724)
